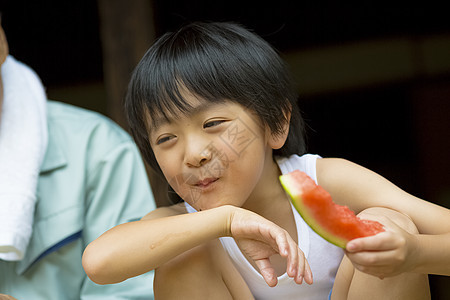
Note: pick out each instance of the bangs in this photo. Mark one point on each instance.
(208, 73)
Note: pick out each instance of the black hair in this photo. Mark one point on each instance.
(216, 62)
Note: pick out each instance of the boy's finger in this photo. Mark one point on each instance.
(267, 271)
(283, 245)
(379, 242)
(372, 258)
(295, 261)
(300, 268)
(308, 273)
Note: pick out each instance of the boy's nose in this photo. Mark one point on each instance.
(197, 156)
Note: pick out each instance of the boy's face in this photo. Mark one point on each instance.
(215, 155)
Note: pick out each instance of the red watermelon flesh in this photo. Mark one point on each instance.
(335, 223)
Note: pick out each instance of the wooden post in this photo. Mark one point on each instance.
(127, 30)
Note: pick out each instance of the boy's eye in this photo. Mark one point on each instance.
(164, 139)
(213, 123)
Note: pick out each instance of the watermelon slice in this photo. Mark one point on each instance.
(335, 223)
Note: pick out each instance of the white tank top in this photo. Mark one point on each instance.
(324, 258)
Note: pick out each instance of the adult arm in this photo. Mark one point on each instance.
(117, 191)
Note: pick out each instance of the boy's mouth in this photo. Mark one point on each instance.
(205, 182)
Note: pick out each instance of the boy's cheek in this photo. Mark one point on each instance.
(237, 138)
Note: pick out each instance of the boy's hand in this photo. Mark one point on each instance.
(386, 254)
(259, 239)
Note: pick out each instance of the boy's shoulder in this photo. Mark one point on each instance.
(166, 211)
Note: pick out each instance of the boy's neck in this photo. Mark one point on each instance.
(269, 198)
(270, 201)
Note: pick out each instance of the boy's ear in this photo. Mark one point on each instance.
(277, 141)
(3, 46)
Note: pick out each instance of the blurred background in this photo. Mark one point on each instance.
(373, 76)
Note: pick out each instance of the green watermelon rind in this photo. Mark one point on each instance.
(308, 218)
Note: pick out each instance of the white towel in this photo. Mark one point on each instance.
(23, 141)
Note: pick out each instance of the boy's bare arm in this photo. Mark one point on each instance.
(359, 188)
(134, 248)
(131, 249)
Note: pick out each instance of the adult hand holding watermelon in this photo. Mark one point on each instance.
(335, 223)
